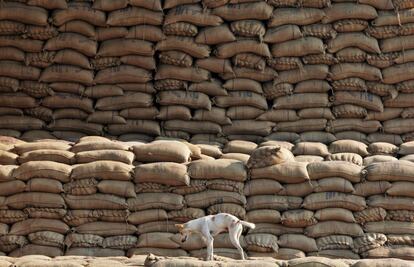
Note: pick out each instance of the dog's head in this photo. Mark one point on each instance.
(183, 232)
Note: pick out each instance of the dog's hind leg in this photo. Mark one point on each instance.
(235, 234)
(209, 242)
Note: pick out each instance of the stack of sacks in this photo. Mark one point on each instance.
(216, 187)
(273, 206)
(241, 55)
(96, 196)
(124, 63)
(36, 207)
(390, 204)
(161, 181)
(332, 200)
(355, 82)
(395, 34)
(183, 87)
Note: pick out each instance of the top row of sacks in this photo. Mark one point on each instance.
(150, 12)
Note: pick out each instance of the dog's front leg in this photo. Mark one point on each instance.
(210, 252)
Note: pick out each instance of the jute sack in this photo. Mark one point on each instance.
(185, 214)
(240, 146)
(32, 249)
(369, 188)
(390, 203)
(406, 148)
(389, 227)
(95, 252)
(358, 70)
(35, 199)
(46, 213)
(157, 240)
(336, 254)
(400, 239)
(35, 225)
(229, 50)
(359, 40)
(43, 169)
(168, 173)
(350, 146)
(19, 71)
(308, 158)
(335, 214)
(299, 47)
(81, 187)
(106, 229)
(390, 171)
(104, 169)
(340, 11)
(215, 35)
(168, 201)
(125, 47)
(273, 202)
(303, 16)
(262, 243)
(369, 241)
(6, 172)
(274, 229)
(47, 238)
(120, 242)
(262, 11)
(282, 34)
(307, 72)
(131, 16)
(105, 154)
(60, 156)
(171, 151)
(327, 228)
(230, 208)
(91, 145)
(196, 100)
(218, 169)
(116, 187)
(63, 100)
(193, 14)
(158, 251)
(333, 184)
(212, 197)
(269, 155)
(43, 185)
(298, 218)
(12, 216)
(326, 169)
(184, 44)
(282, 254)
(363, 99)
(128, 100)
(402, 189)
(310, 148)
(334, 200)
(231, 253)
(290, 172)
(83, 240)
(24, 13)
(158, 226)
(398, 126)
(122, 74)
(95, 201)
(262, 187)
(263, 216)
(405, 253)
(300, 101)
(74, 41)
(348, 157)
(9, 243)
(297, 241)
(370, 214)
(335, 242)
(181, 73)
(27, 147)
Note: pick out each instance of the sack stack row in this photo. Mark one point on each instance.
(99, 197)
(287, 70)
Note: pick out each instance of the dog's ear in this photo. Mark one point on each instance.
(179, 226)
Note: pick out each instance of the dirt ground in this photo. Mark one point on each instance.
(156, 261)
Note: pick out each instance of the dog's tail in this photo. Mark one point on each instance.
(247, 224)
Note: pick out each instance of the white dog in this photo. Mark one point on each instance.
(211, 225)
